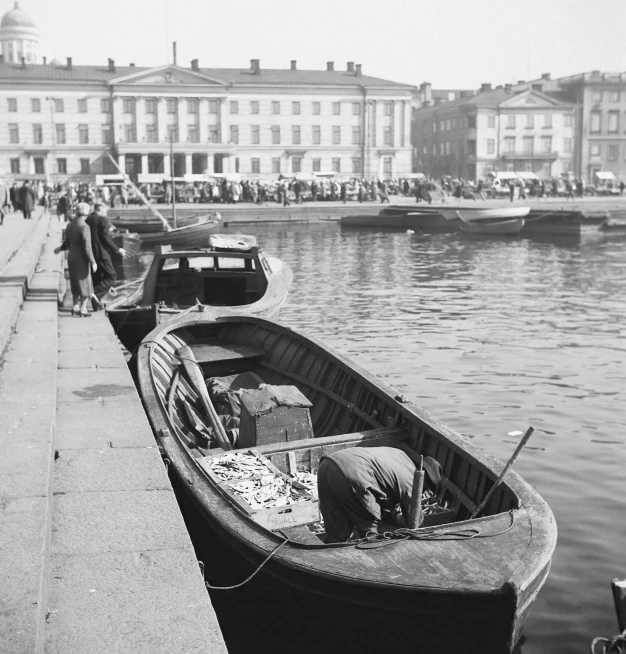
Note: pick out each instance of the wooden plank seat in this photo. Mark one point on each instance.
(220, 351)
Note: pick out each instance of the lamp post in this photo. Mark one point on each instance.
(172, 176)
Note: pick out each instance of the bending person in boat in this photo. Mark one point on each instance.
(360, 489)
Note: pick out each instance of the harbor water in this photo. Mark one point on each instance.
(493, 335)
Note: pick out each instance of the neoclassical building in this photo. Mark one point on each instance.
(61, 121)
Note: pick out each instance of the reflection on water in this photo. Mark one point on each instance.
(491, 336)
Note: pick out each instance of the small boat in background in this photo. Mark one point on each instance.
(509, 227)
(463, 584)
(194, 235)
(232, 276)
(475, 214)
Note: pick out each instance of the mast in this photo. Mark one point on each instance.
(142, 197)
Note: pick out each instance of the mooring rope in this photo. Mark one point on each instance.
(609, 645)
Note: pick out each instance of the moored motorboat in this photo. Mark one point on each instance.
(475, 214)
(231, 276)
(462, 584)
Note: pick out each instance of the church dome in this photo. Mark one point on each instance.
(17, 17)
(19, 36)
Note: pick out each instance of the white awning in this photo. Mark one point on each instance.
(605, 175)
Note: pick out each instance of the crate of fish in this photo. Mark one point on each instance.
(271, 498)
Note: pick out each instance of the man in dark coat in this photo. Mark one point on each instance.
(103, 250)
(360, 488)
(28, 199)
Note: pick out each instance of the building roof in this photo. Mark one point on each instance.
(494, 98)
(17, 17)
(234, 76)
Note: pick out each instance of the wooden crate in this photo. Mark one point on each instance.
(275, 517)
(274, 414)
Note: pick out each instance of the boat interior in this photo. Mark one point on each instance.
(322, 406)
(210, 276)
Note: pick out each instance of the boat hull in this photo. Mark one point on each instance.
(473, 214)
(511, 227)
(417, 220)
(195, 235)
(422, 595)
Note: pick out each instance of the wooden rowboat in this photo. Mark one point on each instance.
(231, 276)
(150, 224)
(475, 214)
(509, 227)
(194, 235)
(465, 585)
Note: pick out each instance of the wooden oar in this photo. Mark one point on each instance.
(197, 381)
(489, 495)
(415, 509)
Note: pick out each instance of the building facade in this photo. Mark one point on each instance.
(600, 125)
(62, 122)
(495, 130)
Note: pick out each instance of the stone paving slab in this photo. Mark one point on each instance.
(23, 535)
(100, 425)
(13, 233)
(82, 384)
(108, 469)
(135, 593)
(117, 521)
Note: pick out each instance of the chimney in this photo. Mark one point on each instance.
(537, 87)
(595, 73)
(485, 87)
(359, 70)
(351, 66)
(293, 64)
(521, 81)
(174, 53)
(194, 65)
(132, 64)
(546, 76)
(427, 90)
(330, 65)
(111, 66)
(44, 61)
(463, 94)
(255, 66)
(508, 88)
(69, 63)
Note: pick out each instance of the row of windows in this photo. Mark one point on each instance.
(60, 134)
(612, 151)
(511, 121)
(40, 167)
(58, 105)
(255, 165)
(510, 142)
(612, 122)
(193, 106)
(598, 96)
(193, 134)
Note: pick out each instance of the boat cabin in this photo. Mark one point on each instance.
(232, 271)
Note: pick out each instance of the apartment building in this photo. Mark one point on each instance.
(599, 99)
(495, 130)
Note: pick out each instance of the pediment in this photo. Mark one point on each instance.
(531, 100)
(166, 75)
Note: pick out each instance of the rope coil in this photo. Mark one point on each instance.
(609, 645)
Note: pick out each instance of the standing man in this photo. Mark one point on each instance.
(5, 201)
(103, 249)
(28, 200)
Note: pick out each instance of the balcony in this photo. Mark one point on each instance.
(542, 156)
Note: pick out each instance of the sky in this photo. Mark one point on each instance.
(453, 44)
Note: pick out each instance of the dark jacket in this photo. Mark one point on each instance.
(101, 242)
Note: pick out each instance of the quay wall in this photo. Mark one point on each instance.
(94, 553)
